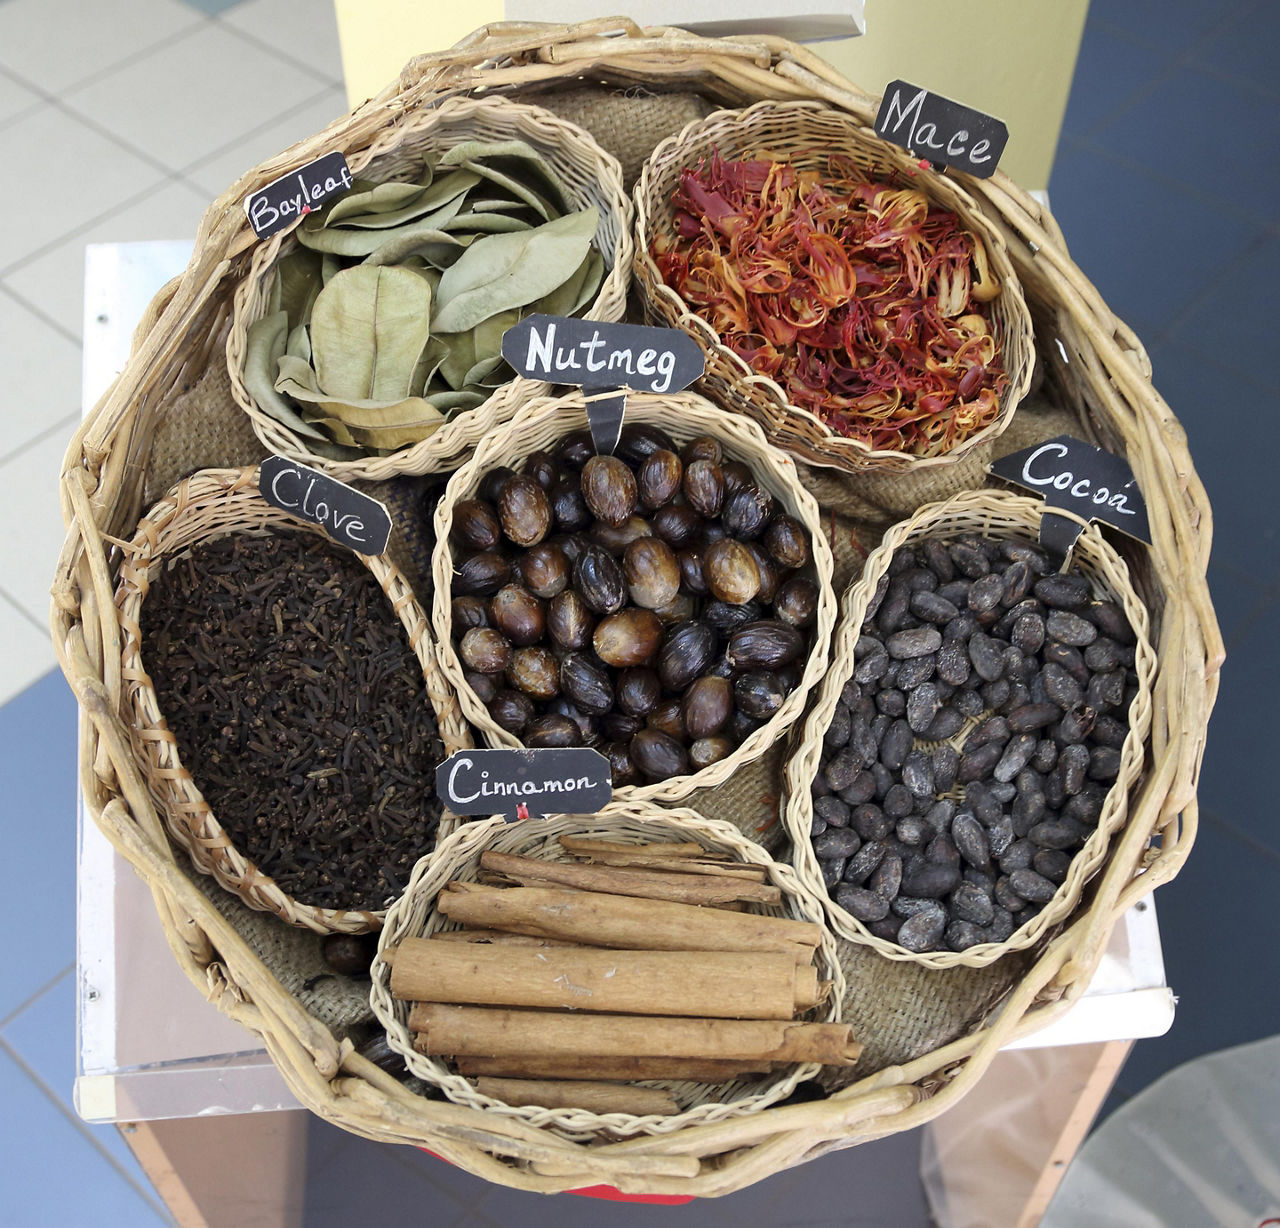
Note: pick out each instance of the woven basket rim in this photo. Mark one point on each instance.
(836, 451)
(1006, 514)
(567, 414)
(195, 826)
(448, 445)
(626, 823)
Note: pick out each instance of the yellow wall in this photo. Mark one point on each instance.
(1011, 58)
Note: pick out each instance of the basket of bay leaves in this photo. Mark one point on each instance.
(367, 336)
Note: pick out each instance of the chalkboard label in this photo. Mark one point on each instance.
(525, 784)
(1082, 479)
(284, 200)
(944, 132)
(563, 350)
(350, 518)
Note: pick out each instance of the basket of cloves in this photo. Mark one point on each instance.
(283, 697)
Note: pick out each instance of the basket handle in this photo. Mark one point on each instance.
(505, 39)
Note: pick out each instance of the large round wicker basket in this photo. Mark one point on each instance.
(930, 1033)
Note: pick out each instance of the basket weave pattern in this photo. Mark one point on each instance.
(211, 505)
(805, 135)
(1103, 375)
(414, 915)
(540, 425)
(986, 514)
(590, 176)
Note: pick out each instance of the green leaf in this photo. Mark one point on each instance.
(381, 199)
(486, 223)
(518, 168)
(297, 282)
(369, 327)
(265, 347)
(501, 271)
(399, 244)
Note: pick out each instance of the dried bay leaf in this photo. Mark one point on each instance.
(501, 271)
(297, 282)
(512, 165)
(266, 343)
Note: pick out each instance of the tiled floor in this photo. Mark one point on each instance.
(1165, 186)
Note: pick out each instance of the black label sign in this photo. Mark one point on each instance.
(288, 198)
(350, 518)
(944, 132)
(563, 350)
(1079, 478)
(525, 784)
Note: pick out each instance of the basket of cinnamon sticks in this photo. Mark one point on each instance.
(631, 972)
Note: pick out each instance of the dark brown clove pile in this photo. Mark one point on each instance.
(300, 711)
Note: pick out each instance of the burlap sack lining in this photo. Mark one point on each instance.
(898, 1010)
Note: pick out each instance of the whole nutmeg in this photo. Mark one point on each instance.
(468, 612)
(628, 638)
(492, 483)
(746, 512)
(640, 440)
(485, 650)
(706, 751)
(704, 447)
(679, 609)
(541, 467)
(616, 538)
(668, 718)
(639, 691)
(693, 570)
(659, 478)
(767, 644)
(736, 476)
(481, 575)
(676, 523)
(518, 614)
(586, 683)
(483, 686)
(704, 487)
(770, 573)
(796, 601)
(599, 580)
(569, 621)
(552, 730)
(686, 652)
(535, 671)
(732, 572)
(475, 525)
(512, 711)
(658, 756)
(708, 704)
(652, 572)
(524, 510)
(575, 450)
(621, 769)
(787, 542)
(568, 507)
(609, 488)
(544, 570)
(759, 693)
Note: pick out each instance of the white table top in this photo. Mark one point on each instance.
(151, 1047)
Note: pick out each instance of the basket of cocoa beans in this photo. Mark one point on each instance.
(669, 604)
(974, 744)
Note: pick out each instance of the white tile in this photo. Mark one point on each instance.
(185, 100)
(14, 97)
(217, 173)
(56, 43)
(82, 175)
(54, 282)
(41, 375)
(29, 486)
(302, 30)
(27, 654)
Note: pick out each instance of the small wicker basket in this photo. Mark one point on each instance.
(544, 421)
(591, 177)
(986, 513)
(805, 135)
(458, 857)
(209, 505)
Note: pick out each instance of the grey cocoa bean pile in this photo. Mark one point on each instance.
(972, 748)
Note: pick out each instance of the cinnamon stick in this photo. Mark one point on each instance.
(494, 1032)
(666, 1069)
(596, 919)
(593, 1097)
(716, 984)
(591, 844)
(626, 880)
(498, 938)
